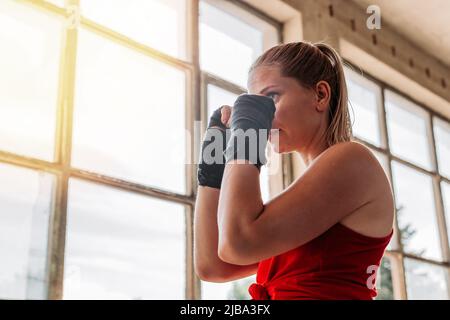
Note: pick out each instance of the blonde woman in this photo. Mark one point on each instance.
(323, 237)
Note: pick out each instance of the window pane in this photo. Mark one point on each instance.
(129, 118)
(445, 188)
(408, 127)
(160, 24)
(384, 281)
(228, 45)
(233, 290)
(29, 62)
(416, 212)
(122, 245)
(218, 97)
(365, 100)
(25, 207)
(442, 135)
(425, 281)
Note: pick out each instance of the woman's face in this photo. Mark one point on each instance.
(297, 117)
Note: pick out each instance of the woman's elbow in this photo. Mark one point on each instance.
(235, 252)
(206, 274)
(211, 273)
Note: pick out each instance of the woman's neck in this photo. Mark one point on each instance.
(310, 153)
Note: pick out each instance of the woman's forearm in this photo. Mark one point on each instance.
(240, 199)
(208, 265)
(240, 206)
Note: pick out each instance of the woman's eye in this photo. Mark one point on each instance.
(272, 95)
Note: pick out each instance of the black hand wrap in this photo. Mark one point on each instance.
(212, 160)
(251, 122)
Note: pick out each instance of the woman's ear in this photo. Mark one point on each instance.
(323, 93)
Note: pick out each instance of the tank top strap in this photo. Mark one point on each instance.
(361, 236)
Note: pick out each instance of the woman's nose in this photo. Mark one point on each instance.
(275, 122)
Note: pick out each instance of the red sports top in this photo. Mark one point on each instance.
(339, 264)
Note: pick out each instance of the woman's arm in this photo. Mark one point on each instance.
(208, 265)
(335, 185)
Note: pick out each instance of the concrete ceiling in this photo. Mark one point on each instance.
(425, 23)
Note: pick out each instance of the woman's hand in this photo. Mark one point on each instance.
(211, 167)
(226, 115)
(250, 126)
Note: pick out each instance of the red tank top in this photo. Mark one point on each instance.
(339, 264)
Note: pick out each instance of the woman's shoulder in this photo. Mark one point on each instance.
(376, 217)
(366, 159)
(353, 147)
(355, 153)
(351, 159)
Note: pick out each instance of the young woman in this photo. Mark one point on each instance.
(323, 237)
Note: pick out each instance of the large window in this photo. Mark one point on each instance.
(98, 109)
(412, 144)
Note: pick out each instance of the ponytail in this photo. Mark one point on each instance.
(339, 128)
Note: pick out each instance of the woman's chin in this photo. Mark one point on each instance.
(274, 140)
(276, 147)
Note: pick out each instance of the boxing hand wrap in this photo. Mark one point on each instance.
(215, 120)
(250, 126)
(212, 160)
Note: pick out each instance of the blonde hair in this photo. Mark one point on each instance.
(310, 63)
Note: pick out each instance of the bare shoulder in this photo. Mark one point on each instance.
(356, 159)
(364, 160)
(352, 149)
(353, 153)
(374, 219)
